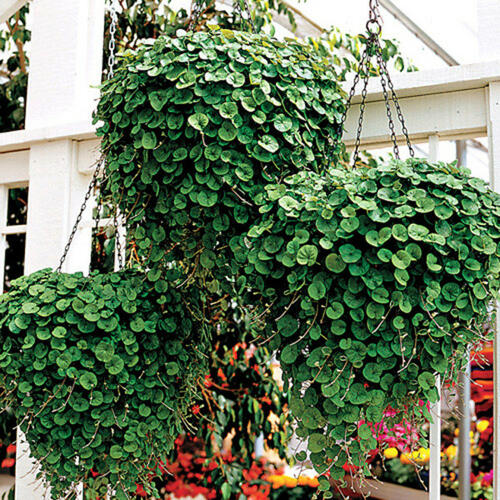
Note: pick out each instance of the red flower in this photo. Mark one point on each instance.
(140, 491)
(7, 463)
(196, 409)
(208, 381)
(11, 449)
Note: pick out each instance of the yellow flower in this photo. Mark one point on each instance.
(391, 453)
(482, 425)
(422, 456)
(451, 451)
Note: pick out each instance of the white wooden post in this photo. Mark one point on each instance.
(66, 61)
(435, 427)
(494, 154)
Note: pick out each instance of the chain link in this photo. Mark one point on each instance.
(100, 165)
(196, 10)
(79, 217)
(238, 11)
(112, 38)
(395, 100)
(118, 244)
(374, 48)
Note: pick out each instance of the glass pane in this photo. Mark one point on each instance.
(14, 258)
(17, 208)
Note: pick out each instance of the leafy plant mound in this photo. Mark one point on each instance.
(196, 126)
(378, 280)
(100, 373)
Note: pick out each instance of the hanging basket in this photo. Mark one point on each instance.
(101, 372)
(380, 279)
(194, 129)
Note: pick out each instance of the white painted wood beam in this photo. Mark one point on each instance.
(14, 168)
(419, 83)
(9, 8)
(452, 115)
(494, 155)
(23, 139)
(65, 61)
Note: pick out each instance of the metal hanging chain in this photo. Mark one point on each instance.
(362, 69)
(118, 244)
(88, 194)
(395, 100)
(238, 11)
(362, 107)
(374, 48)
(196, 10)
(100, 165)
(112, 38)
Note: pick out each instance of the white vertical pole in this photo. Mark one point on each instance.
(65, 63)
(435, 427)
(4, 200)
(493, 95)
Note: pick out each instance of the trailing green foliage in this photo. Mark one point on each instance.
(195, 127)
(367, 282)
(100, 371)
(378, 279)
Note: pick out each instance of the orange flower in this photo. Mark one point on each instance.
(290, 482)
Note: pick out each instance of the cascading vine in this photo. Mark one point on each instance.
(367, 282)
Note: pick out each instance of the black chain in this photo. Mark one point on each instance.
(357, 78)
(196, 10)
(118, 243)
(362, 108)
(88, 194)
(239, 12)
(374, 48)
(95, 177)
(395, 100)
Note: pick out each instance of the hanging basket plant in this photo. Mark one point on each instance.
(379, 279)
(101, 373)
(194, 129)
